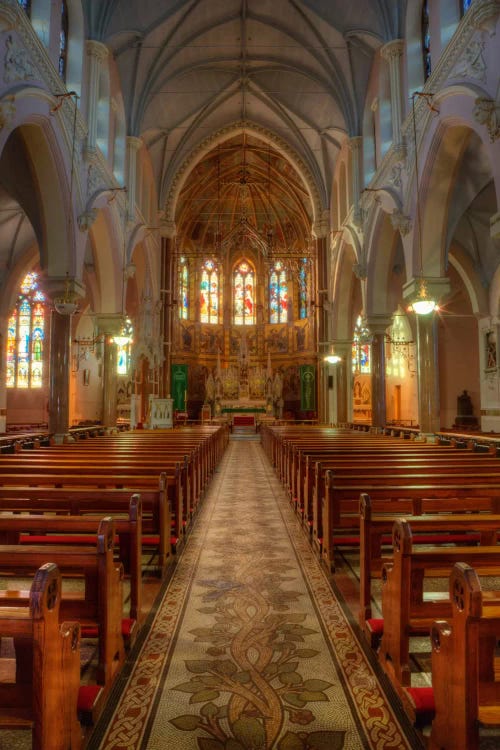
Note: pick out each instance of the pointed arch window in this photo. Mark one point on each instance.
(278, 294)
(183, 289)
(426, 40)
(209, 293)
(243, 294)
(361, 360)
(464, 6)
(26, 6)
(303, 288)
(63, 39)
(26, 337)
(124, 347)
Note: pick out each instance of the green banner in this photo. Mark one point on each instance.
(308, 388)
(179, 380)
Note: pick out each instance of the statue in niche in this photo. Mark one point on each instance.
(491, 350)
(210, 389)
(464, 405)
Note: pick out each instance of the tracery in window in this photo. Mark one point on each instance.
(303, 288)
(243, 294)
(278, 294)
(63, 40)
(26, 337)
(426, 40)
(183, 289)
(209, 293)
(26, 5)
(361, 362)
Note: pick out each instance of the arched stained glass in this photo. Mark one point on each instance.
(278, 295)
(426, 40)
(26, 5)
(464, 6)
(303, 287)
(124, 348)
(209, 293)
(183, 290)
(361, 361)
(63, 40)
(243, 294)
(26, 337)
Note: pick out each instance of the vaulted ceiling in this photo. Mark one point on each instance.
(255, 85)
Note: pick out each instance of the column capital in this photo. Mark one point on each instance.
(393, 49)
(167, 228)
(134, 143)
(109, 324)
(378, 323)
(96, 49)
(355, 143)
(321, 226)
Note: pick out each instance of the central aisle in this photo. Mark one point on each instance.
(249, 648)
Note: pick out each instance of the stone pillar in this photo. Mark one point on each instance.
(427, 369)
(134, 145)
(377, 325)
(3, 386)
(109, 326)
(393, 53)
(64, 293)
(168, 280)
(356, 146)
(96, 53)
(321, 232)
(59, 375)
(343, 372)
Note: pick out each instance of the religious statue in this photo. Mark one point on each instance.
(210, 389)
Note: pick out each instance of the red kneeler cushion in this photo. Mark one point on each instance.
(88, 699)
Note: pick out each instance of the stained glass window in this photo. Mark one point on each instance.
(63, 40)
(209, 293)
(243, 294)
(303, 286)
(124, 348)
(26, 5)
(464, 6)
(426, 40)
(361, 362)
(278, 295)
(26, 337)
(183, 290)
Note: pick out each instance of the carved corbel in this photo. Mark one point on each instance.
(86, 219)
(487, 112)
(400, 221)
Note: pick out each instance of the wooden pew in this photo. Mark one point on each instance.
(405, 609)
(340, 508)
(77, 495)
(444, 526)
(100, 605)
(82, 529)
(44, 696)
(465, 665)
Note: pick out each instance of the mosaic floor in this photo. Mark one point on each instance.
(249, 649)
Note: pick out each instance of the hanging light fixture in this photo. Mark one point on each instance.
(423, 304)
(331, 358)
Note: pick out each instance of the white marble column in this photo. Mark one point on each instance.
(134, 145)
(393, 53)
(96, 53)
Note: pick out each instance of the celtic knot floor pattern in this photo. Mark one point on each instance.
(249, 648)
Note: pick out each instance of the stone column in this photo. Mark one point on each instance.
(168, 280)
(343, 372)
(3, 367)
(427, 369)
(134, 145)
(356, 146)
(59, 375)
(393, 53)
(96, 53)
(377, 325)
(64, 292)
(321, 232)
(109, 326)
